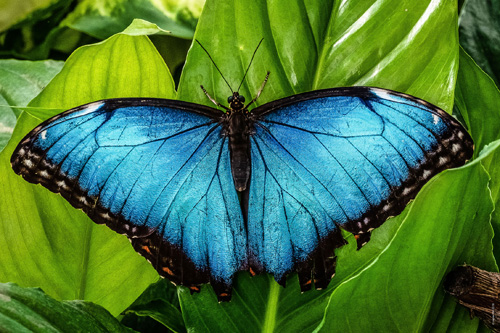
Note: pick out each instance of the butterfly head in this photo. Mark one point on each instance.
(236, 101)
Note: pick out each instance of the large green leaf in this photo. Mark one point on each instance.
(477, 99)
(30, 310)
(312, 46)
(50, 244)
(480, 34)
(491, 163)
(20, 81)
(336, 44)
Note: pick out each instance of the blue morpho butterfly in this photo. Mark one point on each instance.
(203, 194)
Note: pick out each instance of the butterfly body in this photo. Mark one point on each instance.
(203, 194)
(238, 130)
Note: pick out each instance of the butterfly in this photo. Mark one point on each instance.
(203, 193)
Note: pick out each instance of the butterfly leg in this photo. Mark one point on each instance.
(259, 91)
(213, 100)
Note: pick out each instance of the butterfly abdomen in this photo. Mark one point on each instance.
(239, 148)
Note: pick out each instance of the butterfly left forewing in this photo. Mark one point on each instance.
(155, 170)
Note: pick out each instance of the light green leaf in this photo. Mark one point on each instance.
(122, 66)
(20, 81)
(62, 251)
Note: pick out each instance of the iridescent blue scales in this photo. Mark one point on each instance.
(159, 171)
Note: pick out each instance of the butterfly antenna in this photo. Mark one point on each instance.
(249, 64)
(204, 49)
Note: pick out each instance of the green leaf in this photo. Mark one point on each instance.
(31, 310)
(16, 12)
(491, 162)
(478, 102)
(356, 44)
(477, 99)
(160, 302)
(123, 66)
(312, 46)
(36, 30)
(60, 249)
(20, 81)
(480, 34)
(102, 19)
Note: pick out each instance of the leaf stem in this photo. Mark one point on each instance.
(272, 307)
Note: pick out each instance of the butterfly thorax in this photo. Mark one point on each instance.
(237, 130)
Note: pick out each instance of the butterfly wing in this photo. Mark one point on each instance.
(155, 170)
(347, 157)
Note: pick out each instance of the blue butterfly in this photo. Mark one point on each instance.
(203, 194)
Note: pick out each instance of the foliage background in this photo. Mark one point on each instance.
(393, 283)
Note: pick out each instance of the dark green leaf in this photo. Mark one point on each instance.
(491, 163)
(477, 99)
(34, 34)
(160, 302)
(26, 12)
(480, 34)
(102, 19)
(31, 310)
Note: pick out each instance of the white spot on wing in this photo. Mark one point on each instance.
(62, 184)
(28, 163)
(44, 135)
(91, 108)
(443, 160)
(383, 94)
(436, 119)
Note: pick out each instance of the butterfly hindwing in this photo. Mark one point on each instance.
(152, 169)
(347, 157)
